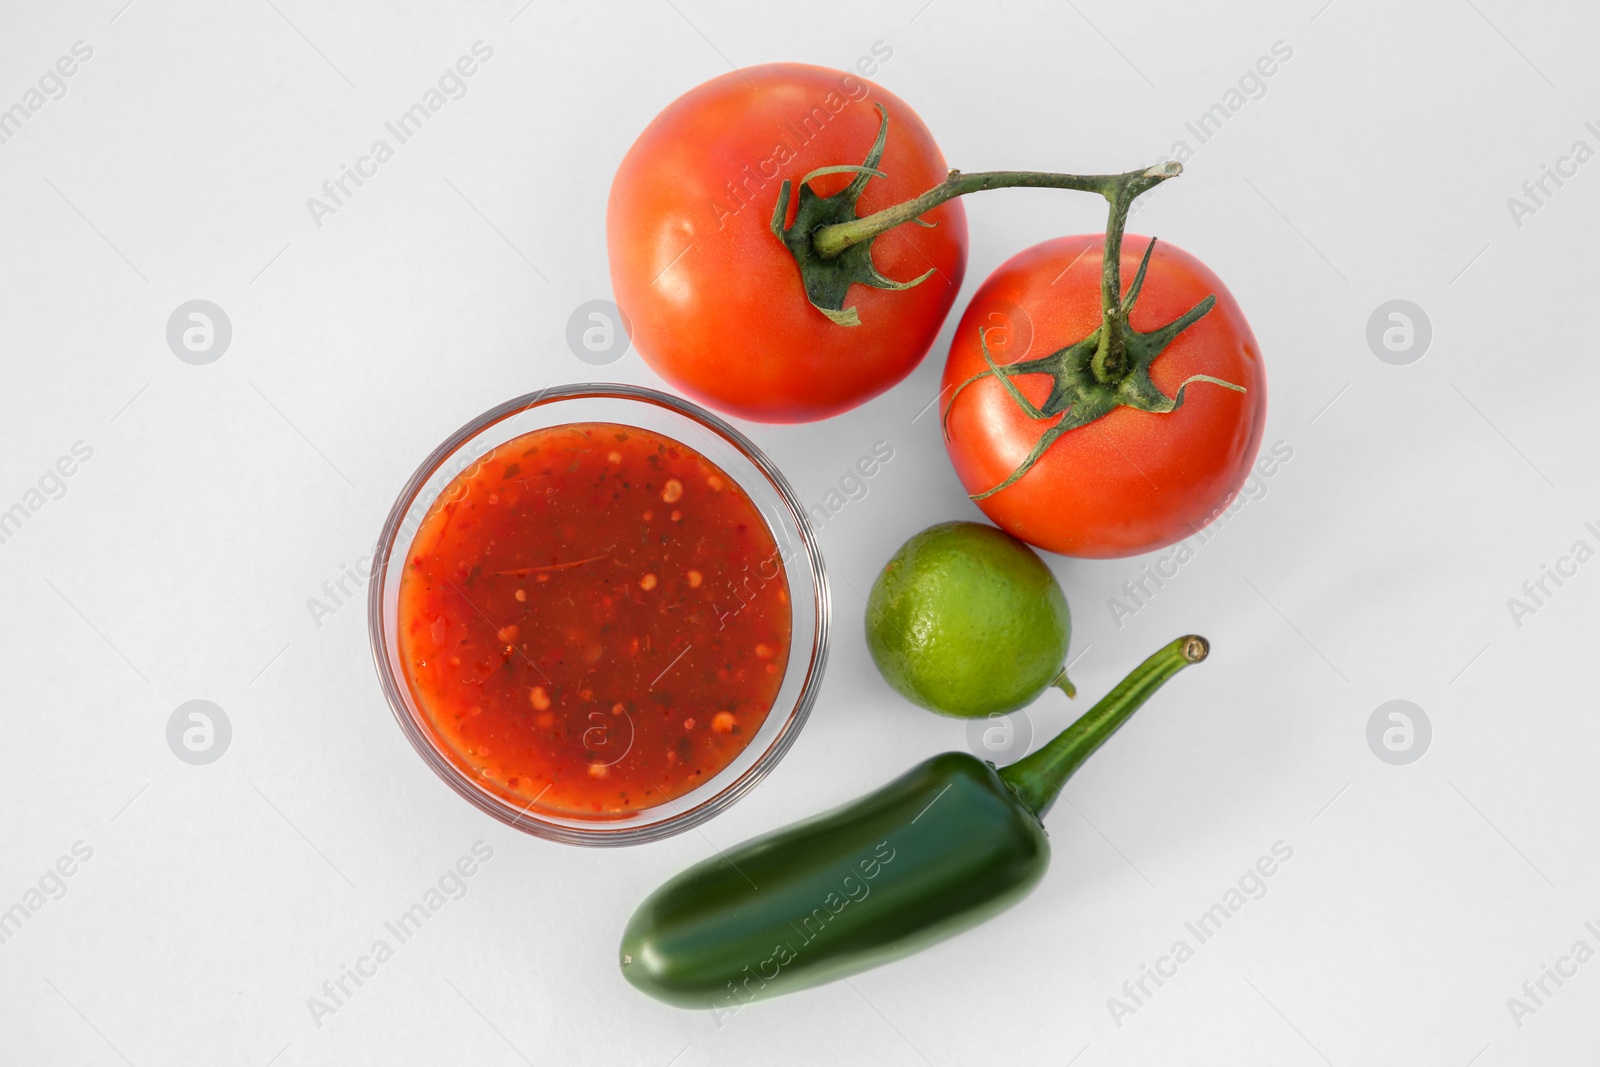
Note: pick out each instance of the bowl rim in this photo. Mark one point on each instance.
(396, 690)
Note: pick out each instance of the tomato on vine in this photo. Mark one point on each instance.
(715, 303)
(786, 243)
(1095, 421)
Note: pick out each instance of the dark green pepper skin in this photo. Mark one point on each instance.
(943, 847)
(936, 851)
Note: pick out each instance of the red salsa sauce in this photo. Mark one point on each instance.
(594, 619)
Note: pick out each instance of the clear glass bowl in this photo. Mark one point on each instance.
(726, 447)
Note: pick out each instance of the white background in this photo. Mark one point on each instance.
(219, 498)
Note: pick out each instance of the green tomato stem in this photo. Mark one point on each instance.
(828, 242)
(1110, 362)
(1037, 779)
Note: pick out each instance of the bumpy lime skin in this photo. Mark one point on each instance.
(966, 620)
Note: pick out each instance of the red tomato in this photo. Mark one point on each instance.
(715, 301)
(1131, 481)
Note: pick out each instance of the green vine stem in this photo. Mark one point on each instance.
(830, 241)
(1110, 359)
(832, 245)
(1110, 368)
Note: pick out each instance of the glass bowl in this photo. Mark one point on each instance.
(741, 460)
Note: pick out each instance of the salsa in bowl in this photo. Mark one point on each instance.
(598, 612)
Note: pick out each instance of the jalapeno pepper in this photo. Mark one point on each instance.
(938, 850)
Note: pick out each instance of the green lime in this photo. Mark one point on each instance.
(967, 620)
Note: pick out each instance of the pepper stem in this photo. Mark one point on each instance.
(1037, 779)
(828, 242)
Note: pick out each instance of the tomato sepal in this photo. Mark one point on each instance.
(832, 244)
(1108, 369)
(827, 280)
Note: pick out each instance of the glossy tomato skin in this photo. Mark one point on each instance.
(1132, 481)
(716, 302)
